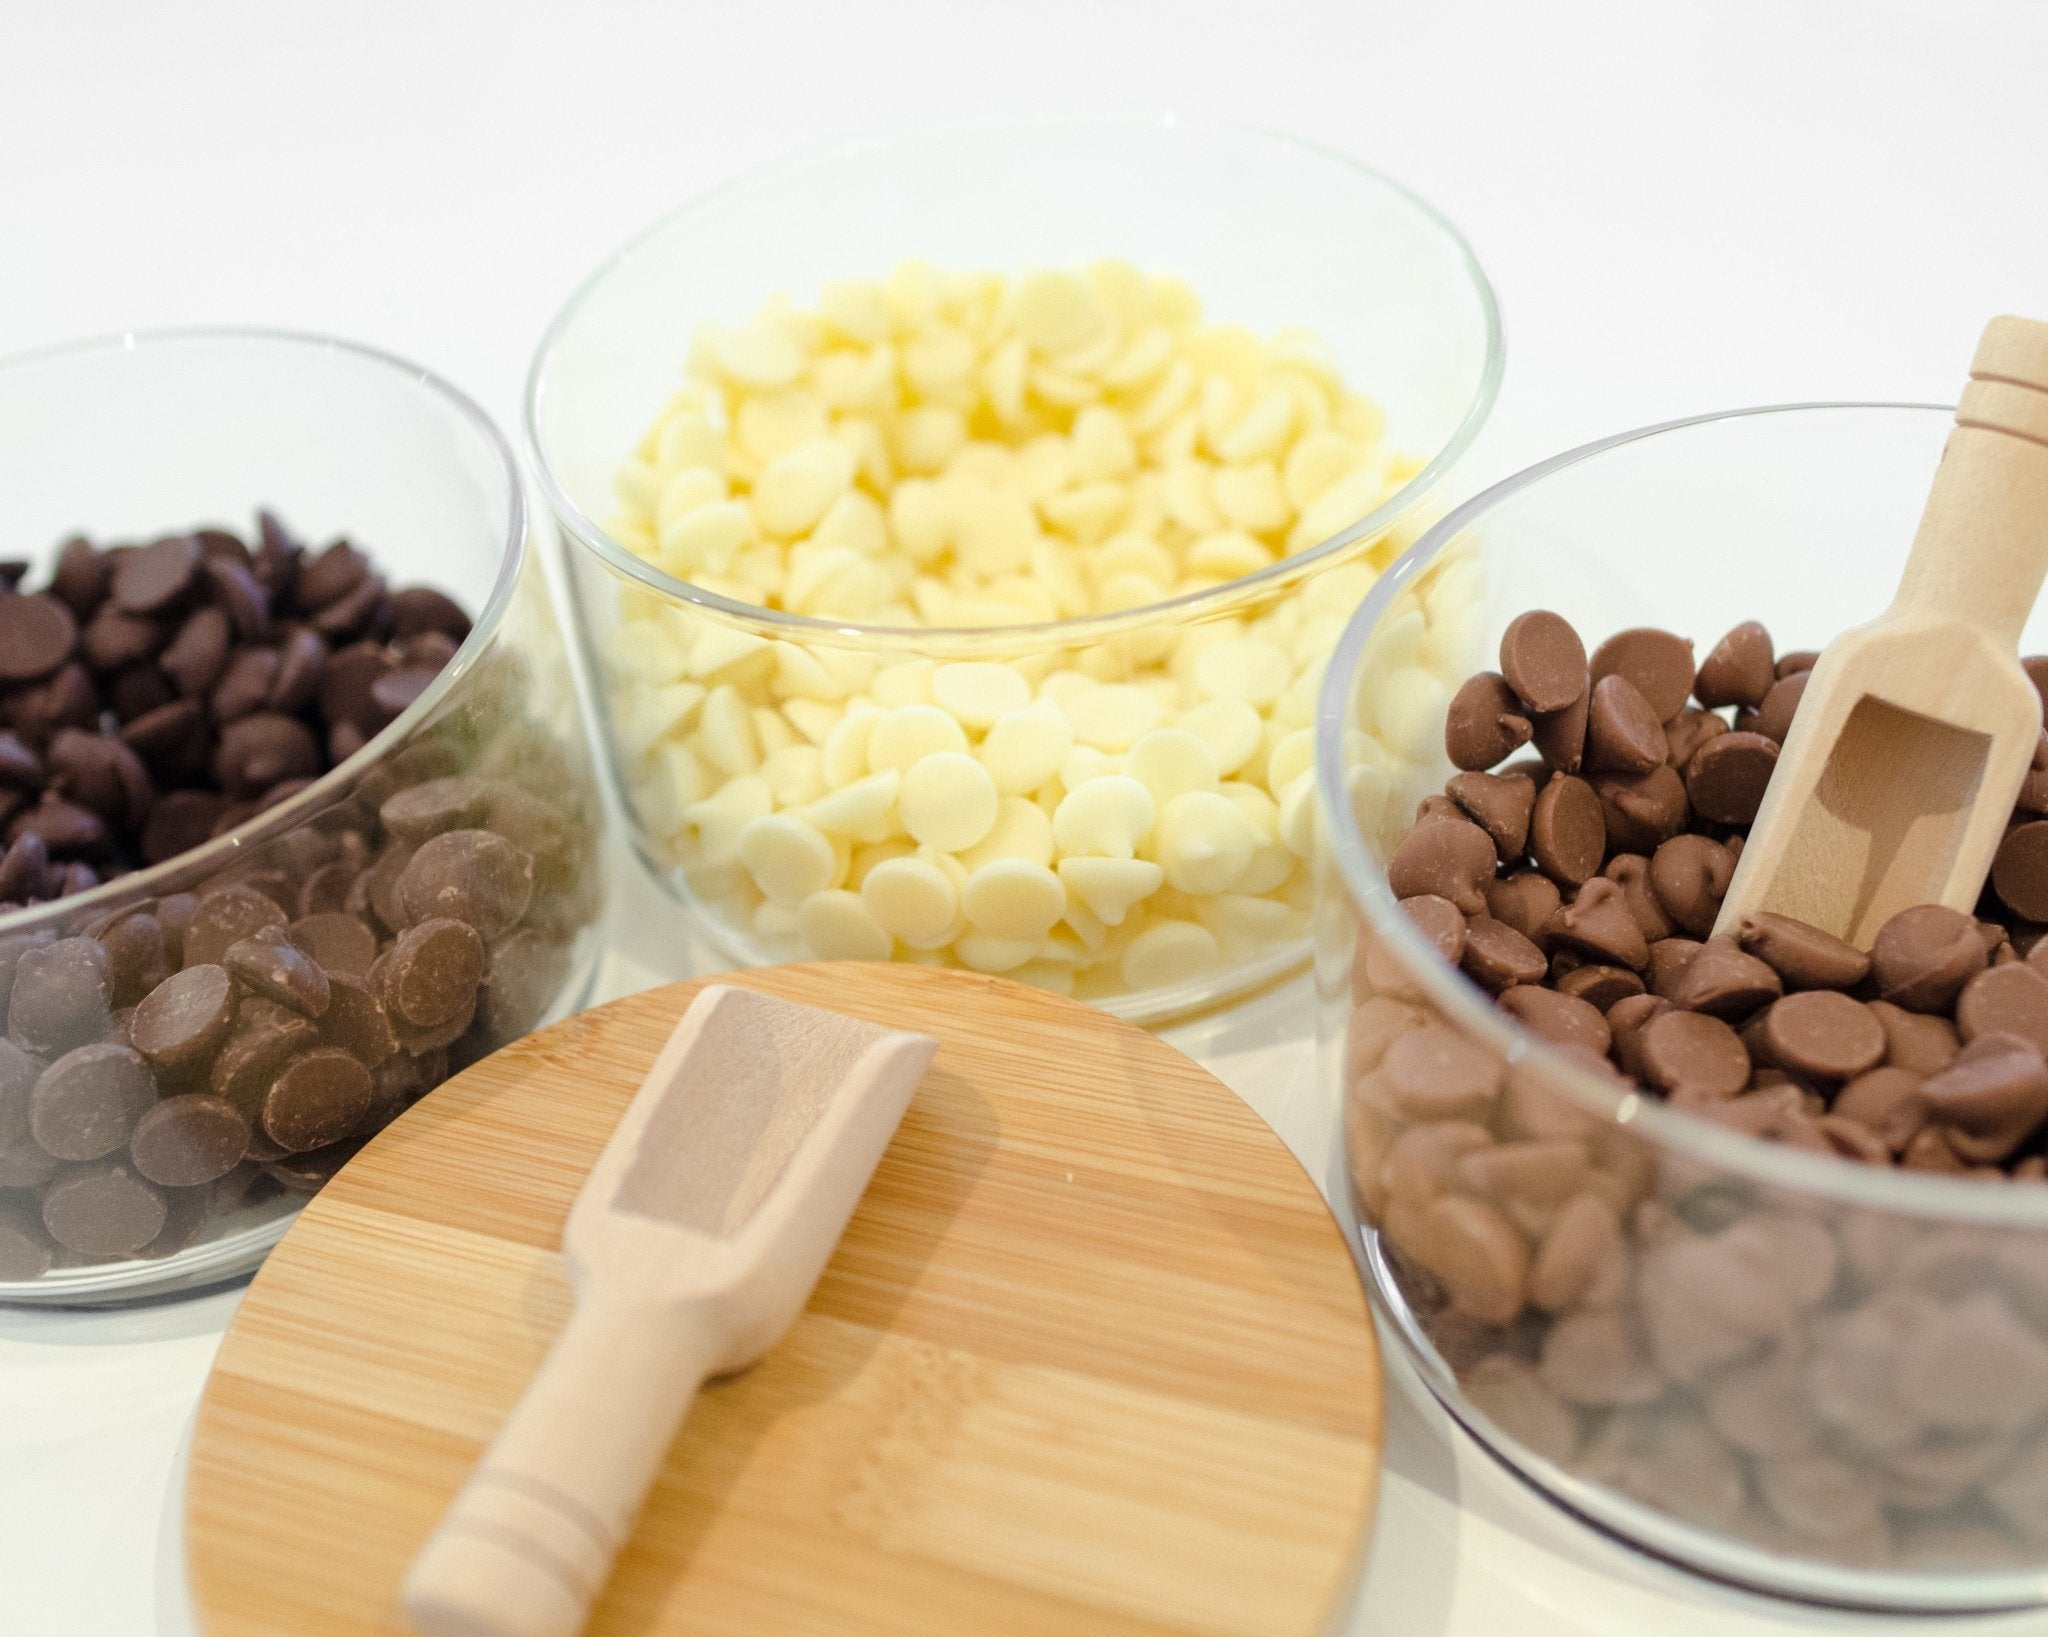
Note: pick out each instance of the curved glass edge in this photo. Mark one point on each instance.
(578, 525)
(273, 822)
(1636, 1527)
(1776, 1165)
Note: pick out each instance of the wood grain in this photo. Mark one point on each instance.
(1092, 1357)
(1916, 729)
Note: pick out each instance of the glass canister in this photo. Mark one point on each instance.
(1796, 1372)
(138, 437)
(734, 730)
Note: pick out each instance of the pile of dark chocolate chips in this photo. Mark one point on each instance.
(1580, 889)
(167, 1060)
(153, 696)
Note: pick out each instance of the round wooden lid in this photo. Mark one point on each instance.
(1092, 1356)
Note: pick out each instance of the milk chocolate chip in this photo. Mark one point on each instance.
(2009, 999)
(1804, 956)
(1436, 918)
(1823, 1035)
(1643, 810)
(1498, 957)
(1693, 1052)
(1543, 661)
(1568, 832)
(1727, 776)
(1656, 664)
(1486, 723)
(1598, 922)
(2019, 874)
(1525, 901)
(1446, 858)
(1500, 804)
(1623, 734)
(1992, 1097)
(1739, 670)
(1922, 957)
(1689, 875)
(1725, 982)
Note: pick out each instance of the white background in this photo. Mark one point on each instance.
(1683, 207)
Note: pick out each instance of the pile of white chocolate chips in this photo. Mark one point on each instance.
(1122, 808)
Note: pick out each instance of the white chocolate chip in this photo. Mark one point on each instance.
(1022, 830)
(1246, 668)
(1112, 716)
(864, 810)
(1107, 816)
(943, 448)
(1109, 887)
(1014, 898)
(837, 926)
(1169, 952)
(1203, 841)
(1025, 748)
(1171, 761)
(788, 859)
(979, 693)
(912, 899)
(1229, 727)
(799, 485)
(948, 801)
(910, 733)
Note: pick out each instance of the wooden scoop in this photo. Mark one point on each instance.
(1896, 780)
(692, 1248)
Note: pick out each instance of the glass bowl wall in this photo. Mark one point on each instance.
(136, 437)
(1791, 1371)
(1268, 232)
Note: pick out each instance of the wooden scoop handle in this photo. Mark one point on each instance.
(527, 1545)
(1982, 548)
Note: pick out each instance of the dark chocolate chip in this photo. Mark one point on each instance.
(316, 1099)
(152, 578)
(85, 1103)
(37, 634)
(103, 1210)
(188, 1141)
(185, 1017)
(268, 962)
(61, 996)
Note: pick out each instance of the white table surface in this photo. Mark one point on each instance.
(1684, 207)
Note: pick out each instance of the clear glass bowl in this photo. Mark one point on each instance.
(136, 436)
(1787, 1370)
(1267, 231)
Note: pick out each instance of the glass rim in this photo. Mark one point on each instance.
(265, 826)
(1775, 1165)
(592, 536)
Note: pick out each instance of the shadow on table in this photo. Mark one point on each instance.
(1409, 1577)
